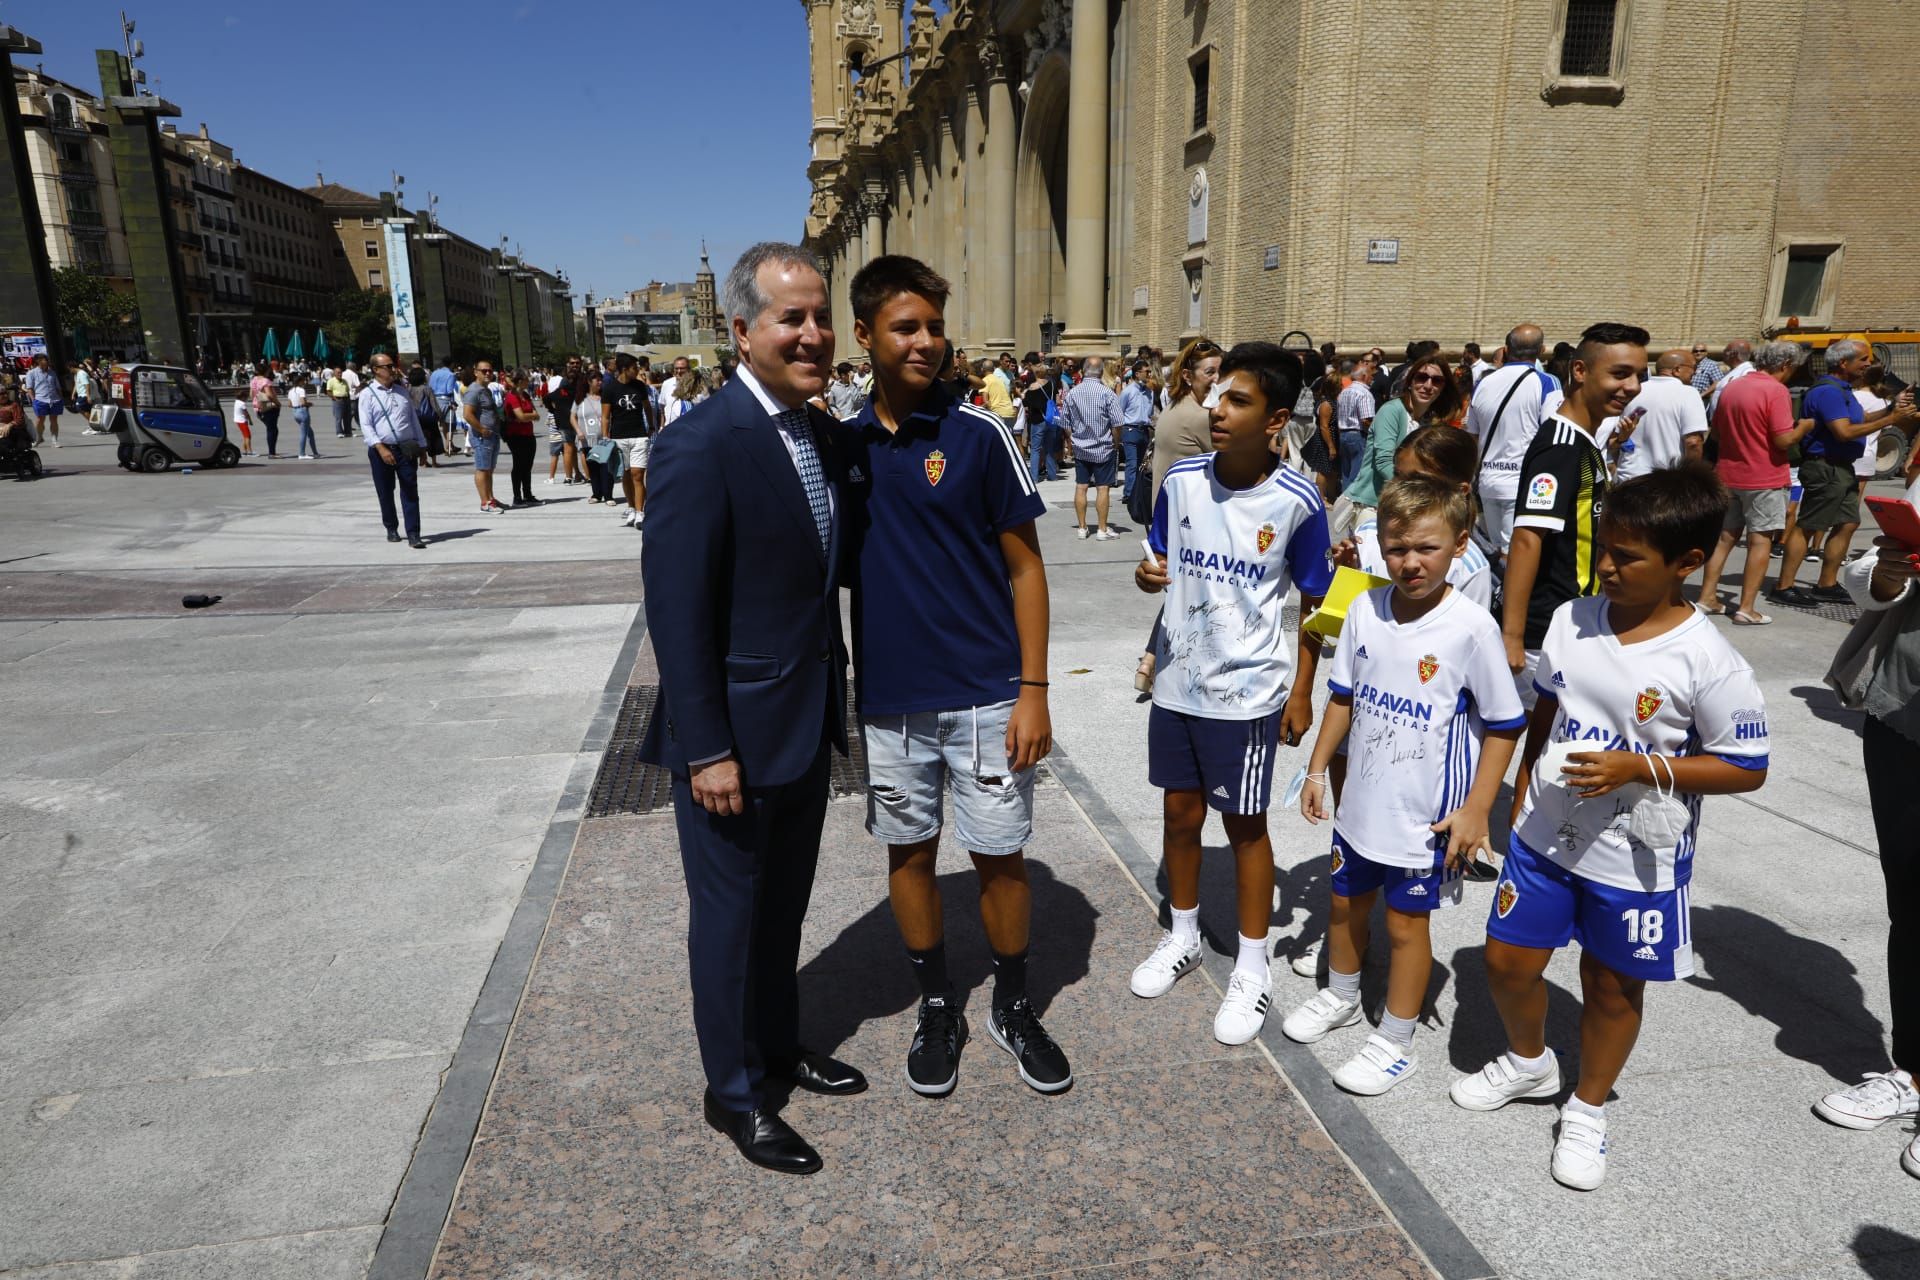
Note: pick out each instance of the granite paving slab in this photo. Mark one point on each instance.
(1169, 1148)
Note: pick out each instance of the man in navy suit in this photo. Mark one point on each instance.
(740, 568)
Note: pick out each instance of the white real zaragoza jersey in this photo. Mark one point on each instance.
(1423, 693)
(1686, 693)
(1232, 556)
(1470, 574)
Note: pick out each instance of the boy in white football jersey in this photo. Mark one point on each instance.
(1419, 680)
(1643, 709)
(1233, 532)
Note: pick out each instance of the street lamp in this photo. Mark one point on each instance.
(1050, 331)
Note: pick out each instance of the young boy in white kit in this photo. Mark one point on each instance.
(1423, 700)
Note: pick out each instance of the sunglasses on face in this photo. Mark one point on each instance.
(1432, 379)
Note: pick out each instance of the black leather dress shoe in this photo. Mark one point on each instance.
(817, 1073)
(392, 536)
(764, 1138)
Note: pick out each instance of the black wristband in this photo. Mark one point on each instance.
(1035, 684)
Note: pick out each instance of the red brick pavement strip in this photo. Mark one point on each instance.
(29, 596)
(1172, 1154)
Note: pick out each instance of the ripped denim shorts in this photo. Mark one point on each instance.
(914, 760)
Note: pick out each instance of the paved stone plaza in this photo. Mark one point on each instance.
(311, 960)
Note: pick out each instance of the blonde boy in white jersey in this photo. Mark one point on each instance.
(1418, 673)
(1643, 709)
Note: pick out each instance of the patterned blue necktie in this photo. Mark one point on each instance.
(812, 479)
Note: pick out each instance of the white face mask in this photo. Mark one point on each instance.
(1659, 817)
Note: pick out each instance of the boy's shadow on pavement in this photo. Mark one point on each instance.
(876, 980)
(1886, 1254)
(1805, 988)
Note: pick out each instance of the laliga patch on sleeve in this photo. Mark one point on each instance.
(1541, 492)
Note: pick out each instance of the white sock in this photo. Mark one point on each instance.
(1578, 1108)
(1532, 1066)
(1252, 958)
(1398, 1030)
(1344, 985)
(1186, 925)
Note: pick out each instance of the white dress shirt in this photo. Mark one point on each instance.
(774, 410)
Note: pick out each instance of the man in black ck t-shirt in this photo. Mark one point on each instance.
(625, 411)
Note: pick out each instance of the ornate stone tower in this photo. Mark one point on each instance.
(706, 310)
(847, 37)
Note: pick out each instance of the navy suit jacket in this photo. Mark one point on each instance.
(742, 605)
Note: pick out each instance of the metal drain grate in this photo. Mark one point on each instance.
(626, 784)
(1848, 613)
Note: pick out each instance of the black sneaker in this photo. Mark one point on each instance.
(1016, 1028)
(1794, 597)
(1836, 594)
(933, 1060)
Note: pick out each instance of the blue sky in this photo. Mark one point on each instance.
(605, 137)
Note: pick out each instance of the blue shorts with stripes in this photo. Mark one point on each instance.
(1230, 761)
(1645, 934)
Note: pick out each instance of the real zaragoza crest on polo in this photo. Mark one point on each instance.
(1428, 665)
(1265, 537)
(936, 466)
(1647, 703)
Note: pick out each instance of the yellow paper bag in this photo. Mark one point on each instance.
(1347, 586)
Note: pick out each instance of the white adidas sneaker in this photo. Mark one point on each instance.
(1380, 1065)
(1580, 1155)
(1879, 1097)
(1171, 961)
(1500, 1082)
(1244, 1011)
(1324, 1013)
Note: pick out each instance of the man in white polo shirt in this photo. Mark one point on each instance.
(1673, 422)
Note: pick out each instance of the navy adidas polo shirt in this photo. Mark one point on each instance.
(926, 505)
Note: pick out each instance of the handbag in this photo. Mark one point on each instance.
(603, 451)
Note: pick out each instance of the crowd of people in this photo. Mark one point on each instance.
(1532, 523)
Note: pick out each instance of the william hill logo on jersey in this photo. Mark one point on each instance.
(1229, 569)
(936, 466)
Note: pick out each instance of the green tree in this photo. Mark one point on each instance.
(362, 319)
(473, 337)
(87, 301)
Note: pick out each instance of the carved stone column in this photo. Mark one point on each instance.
(1087, 97)
(997, 203)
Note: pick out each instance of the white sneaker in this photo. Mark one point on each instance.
(1105, 535)
(1307, 962)
(1500, 1082)
(1380, 1065)
(630, 519)
(1879, 1097)
(1580, 1156)
(1082, 533)
(1170, 961)
(1244, 1011)
(639, 518)
(1910, 1157)
(1314, 1019)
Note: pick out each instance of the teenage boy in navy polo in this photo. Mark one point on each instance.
(950, 655)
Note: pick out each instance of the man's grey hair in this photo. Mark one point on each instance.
(1846, 349)
(1739, 349)
(1094, 367)
(1775, 356)
(741, 296)
(1517, 350)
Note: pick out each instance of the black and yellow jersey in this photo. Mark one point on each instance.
(1563, 485)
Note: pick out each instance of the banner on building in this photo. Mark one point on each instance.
(406, 331)
(18, 347)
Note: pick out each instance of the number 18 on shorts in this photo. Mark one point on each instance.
(1644, 934)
